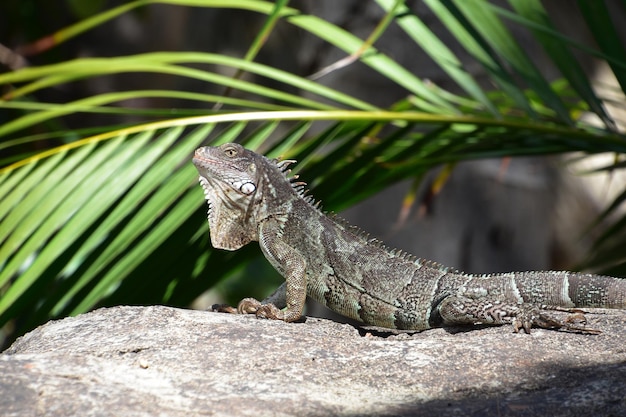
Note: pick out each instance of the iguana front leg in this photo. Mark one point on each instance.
(292, 294)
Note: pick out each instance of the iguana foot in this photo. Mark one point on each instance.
(262, 311)
(248, 306)
(531, 316)
(245, 306)
(252, 306)
(535, 316)
(270, 311)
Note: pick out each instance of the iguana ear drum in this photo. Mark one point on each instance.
(245, 186)
(253, 198)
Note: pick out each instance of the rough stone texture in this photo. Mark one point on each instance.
(161, 361)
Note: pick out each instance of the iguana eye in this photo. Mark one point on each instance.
(231, 152)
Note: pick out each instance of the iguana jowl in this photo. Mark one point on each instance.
(252, 198)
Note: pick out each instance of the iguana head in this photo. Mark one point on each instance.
(241, 188)
(229, 178)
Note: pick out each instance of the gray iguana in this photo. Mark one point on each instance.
(253, 198)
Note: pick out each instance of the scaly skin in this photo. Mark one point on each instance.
(252, 198)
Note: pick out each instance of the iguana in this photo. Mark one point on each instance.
(253, 198)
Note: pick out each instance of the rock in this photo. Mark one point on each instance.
(149, 361)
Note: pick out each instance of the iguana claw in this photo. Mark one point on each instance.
(223, 308)
(262, 311)
(251, 306)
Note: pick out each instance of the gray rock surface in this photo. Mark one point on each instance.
(161, 361)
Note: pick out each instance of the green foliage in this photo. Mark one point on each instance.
(114, 214)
